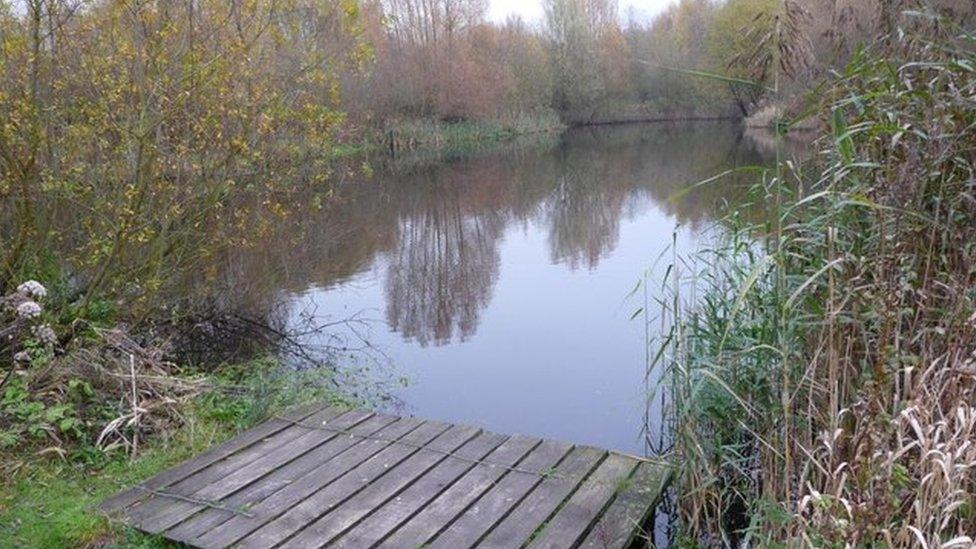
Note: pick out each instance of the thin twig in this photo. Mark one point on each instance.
(135, 406)
(188, 499)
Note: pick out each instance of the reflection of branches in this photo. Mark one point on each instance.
(232, 337)
(584, 216)
(327, 336)
(306, 342)
(667, 160)
(437, 231)
(441, 273)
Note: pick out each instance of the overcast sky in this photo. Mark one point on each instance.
(531, 10)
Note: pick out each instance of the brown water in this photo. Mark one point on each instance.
(496, 285)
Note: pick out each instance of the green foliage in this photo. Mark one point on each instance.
(34, 419)
(48, 502)
(246, 393)
(675, 40)
(434, 135)
(732, 32)
(573, 31)
(100, 311)
(51, 503)
(154, 143)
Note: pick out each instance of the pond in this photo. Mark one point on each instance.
(498, 285)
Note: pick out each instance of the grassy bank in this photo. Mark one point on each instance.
(434, 135)
(821, 365)
(50, 502)
(48, 493)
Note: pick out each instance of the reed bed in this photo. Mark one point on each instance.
(821, 366)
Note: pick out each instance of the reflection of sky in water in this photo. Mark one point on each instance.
(514, 316)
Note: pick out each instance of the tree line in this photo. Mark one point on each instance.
(588, 62)
(137, 137)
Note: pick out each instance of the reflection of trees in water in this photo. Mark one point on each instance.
(311, 246)
(583, 214)
(238, 309)
(604, 173)
(438, 228)
(662, 161)
(441, 273)
(442, 269)
(440, 277)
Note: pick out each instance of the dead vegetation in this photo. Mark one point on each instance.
(825, 380)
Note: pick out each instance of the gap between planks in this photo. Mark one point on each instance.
(596, 509)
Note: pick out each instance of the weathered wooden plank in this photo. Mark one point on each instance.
(279, 456)
(226, 466)
(335, 522)
(160, 513)
(572, 521)
(303, 487)
(299, 516)
(394, 512)
(438, 514)
(621, 522)
(145, 510)
(367, 480)
(209, 519)
(494, 504)
(128, 497)
(517, 528)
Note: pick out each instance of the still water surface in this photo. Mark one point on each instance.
(496, 285)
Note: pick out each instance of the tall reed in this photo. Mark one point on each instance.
(822, 375)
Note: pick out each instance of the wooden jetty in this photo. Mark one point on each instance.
(324, 476)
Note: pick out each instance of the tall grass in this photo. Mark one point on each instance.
(434, 134)
(822, 365)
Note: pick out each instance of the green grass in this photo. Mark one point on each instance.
(434, 134)
(47, 501)
(51, 503)
(439, 139)
(445, 134)
(352, 148)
